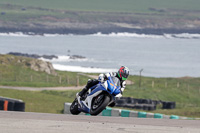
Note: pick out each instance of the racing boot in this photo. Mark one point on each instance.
(86, 88)
(80, 94)
(83, 91)
(90, 83)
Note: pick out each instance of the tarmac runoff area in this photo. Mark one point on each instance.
(26, 122)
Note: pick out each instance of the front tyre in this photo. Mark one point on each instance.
(74, 108)
(99, 103)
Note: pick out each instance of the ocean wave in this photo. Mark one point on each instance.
(29, 34)
(82, 69)
(14, 34)
(183, 35)
(113, 34)
(168, 36)
(126, 34)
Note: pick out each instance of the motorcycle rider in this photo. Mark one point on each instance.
(122, 75)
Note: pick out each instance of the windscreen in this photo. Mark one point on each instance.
(116, 81)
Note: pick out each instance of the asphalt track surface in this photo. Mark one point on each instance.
(26, 122)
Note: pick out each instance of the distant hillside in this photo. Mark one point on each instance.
(91, 16)
(7, 61)
(131, 6)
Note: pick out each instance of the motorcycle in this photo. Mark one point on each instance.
(97, 97)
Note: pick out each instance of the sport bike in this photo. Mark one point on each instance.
(97, 98)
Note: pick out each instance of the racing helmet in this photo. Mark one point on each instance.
(123, 72)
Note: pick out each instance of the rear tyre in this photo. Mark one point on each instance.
(99, 103)
(74, 108)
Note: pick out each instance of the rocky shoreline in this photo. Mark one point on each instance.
(107, 30)
(49, 57)
(33, 55)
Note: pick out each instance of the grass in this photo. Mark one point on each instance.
(40, 101)
(184, 91)
(166, 89)
(38, 79)
(29, 78)
(108, 5)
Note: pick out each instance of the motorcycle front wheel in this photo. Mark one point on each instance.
(74, 108)
(99, 103)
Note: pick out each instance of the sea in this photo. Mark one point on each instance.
(167, 55)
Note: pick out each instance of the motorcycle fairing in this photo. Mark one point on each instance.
(112, 88)
(84, 108)
(86, 104)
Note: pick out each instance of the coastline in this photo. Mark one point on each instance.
(103, 30)
(68, 64)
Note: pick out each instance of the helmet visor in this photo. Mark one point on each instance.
(125, 74)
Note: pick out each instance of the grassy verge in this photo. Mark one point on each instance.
(29, 78)
(45, 102)
(184, 91)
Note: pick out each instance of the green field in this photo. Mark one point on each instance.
(108, 5)
(88, 9)
(40, 101)
(184, 91)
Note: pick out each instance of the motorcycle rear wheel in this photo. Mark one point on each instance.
(99, 103)
(74, 108)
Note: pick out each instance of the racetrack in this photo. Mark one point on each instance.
(25, 122)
